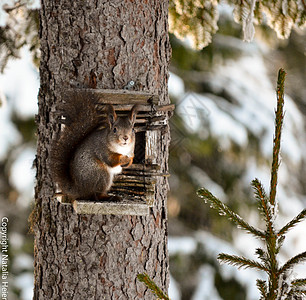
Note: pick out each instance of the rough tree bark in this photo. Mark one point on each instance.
(102, 44)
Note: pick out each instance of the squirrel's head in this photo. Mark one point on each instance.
(121, 129)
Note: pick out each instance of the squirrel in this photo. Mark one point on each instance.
(85, 158)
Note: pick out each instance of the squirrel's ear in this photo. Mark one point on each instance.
(111, 114)
(133, 112)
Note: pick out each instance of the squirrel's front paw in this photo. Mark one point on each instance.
(126, 161)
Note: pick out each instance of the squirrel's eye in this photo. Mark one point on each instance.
(115, 129)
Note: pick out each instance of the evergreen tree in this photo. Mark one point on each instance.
(195, 19)
(280, 283)
(198, 19)
(20, 29)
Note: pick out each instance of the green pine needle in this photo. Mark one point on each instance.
(145, 278)
(262, 255)
(298, 294)
(280, 242)
(299, 282)
(300, 217)
(241, 262)
(293, 262)
(262, 287)
(263, 203)
(226, 211)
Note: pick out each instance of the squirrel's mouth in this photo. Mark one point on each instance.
(124, 142)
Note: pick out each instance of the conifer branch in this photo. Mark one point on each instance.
(262, 287)
(262, 256)
(280, 242)
(300, 293)
(241, 262)
(263, 203)
(226, 211)
(272, 242)
(278, 286)
(277, 137)
(300, 217)
(296, 293)
(292, 262)
(271, 251)
(299, 282)
(145, 278)
(297, 290)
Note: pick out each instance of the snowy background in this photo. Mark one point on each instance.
(251, 110)
(19, 88)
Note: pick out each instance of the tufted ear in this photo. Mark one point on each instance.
(111, 115)
(133, 113)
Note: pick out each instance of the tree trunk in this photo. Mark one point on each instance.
(99, 44)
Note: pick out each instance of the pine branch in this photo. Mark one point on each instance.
(226, 211)
(145, 278)
(278, 285)
(292, 262)
(195, 19)
(300, 293)
(262, 286)
(297, 285)
(279, 244)
(277, 137)
(263, 203)
(299, 282)
(262, 255)
(8, 8)
(241, 262)
(296, 293)
(271, 244)
(299, 218)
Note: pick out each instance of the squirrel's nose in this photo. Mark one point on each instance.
(125, 137)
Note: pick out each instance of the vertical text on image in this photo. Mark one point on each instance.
(4, 257)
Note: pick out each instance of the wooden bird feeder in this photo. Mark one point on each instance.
(135, 186)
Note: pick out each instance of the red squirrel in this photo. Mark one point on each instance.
(85, 158)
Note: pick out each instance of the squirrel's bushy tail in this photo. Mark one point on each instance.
(79, 116)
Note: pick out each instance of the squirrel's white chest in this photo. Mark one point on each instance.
(124, 150)
(115, 170)
(112, 172)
